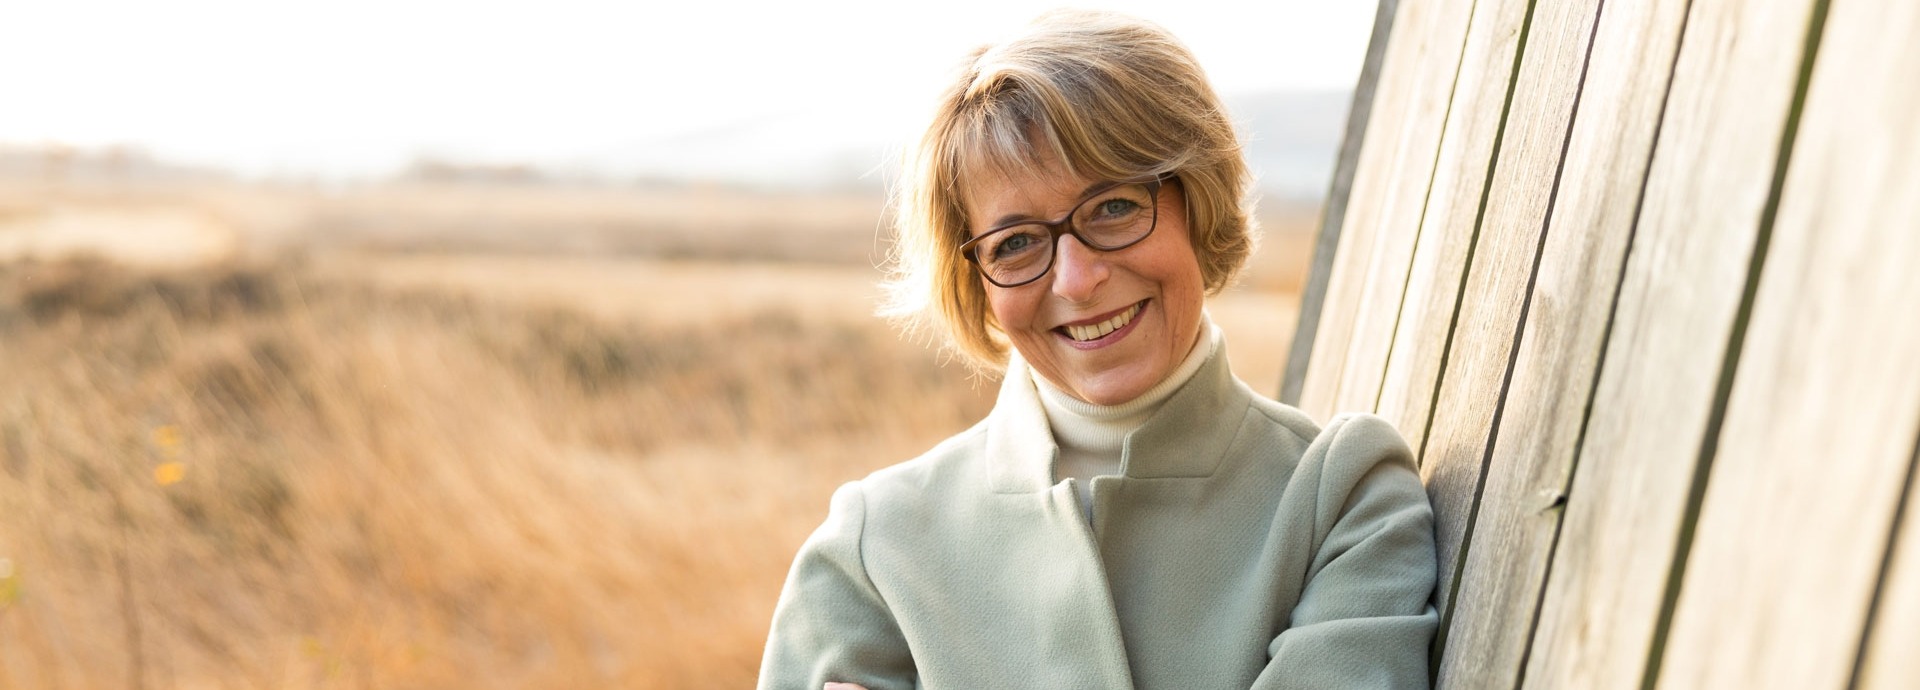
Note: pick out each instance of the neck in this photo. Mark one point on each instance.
(1080, 426)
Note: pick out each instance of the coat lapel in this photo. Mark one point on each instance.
(1020, 447)
(1191, 432)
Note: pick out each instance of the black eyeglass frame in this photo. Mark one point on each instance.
(1064, 226)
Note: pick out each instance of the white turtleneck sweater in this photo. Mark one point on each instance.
(1091, 436)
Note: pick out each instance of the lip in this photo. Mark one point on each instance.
(1108, 339)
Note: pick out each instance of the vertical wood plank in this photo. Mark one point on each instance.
(1574, 645)
(1396, 160)
(1888, 661)
(1685, 277)
(1487, 626)
(1448, 228)
(1421, 328)
(1334, 213)
(1820, 426)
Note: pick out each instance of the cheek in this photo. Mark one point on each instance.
(1012, 309)
(1195, 277)
(1179, 266)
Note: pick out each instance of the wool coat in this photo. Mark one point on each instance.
(1242, 546)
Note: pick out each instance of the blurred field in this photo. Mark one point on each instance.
(439, 435)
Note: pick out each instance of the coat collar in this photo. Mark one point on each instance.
(1186, 438)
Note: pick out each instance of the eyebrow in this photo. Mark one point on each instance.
(1010, 218)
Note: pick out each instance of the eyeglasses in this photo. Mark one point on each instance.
(1115, 217)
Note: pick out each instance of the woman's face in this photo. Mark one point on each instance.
(1157, 282)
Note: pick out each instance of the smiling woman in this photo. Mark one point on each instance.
(1130, 515)
(1115, 319)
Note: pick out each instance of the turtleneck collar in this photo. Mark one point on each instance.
(1097, 431)
(1184, 438)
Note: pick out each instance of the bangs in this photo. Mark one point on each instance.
(1003, 137)
(1012, 123)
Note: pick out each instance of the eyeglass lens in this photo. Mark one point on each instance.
(1109, 220)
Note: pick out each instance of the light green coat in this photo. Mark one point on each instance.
(1243, 547)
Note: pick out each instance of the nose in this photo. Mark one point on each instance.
(1078, 272)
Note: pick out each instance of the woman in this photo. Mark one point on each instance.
(1130, 515)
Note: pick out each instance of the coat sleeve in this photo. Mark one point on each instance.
(831, 624)
(1363, 619)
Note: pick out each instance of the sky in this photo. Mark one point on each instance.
(351, 87)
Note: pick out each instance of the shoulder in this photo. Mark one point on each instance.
(914, 486)
(1273, 435)
(1283, 418)
(1360, 460)
(950, 465)
(1362, 439)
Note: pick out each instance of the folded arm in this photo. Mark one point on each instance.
(1364, 619)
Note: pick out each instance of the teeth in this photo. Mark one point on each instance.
(1100, 330)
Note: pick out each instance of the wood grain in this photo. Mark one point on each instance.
(1489, 622)
(1685, 277)
(1819, 432)
(1334, 214)
(1422, 328)
(1888, 662)
(1578, 641)
(1396, 160)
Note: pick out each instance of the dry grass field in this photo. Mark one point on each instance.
(447, 437)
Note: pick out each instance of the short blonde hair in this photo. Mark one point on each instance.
(1108, 96)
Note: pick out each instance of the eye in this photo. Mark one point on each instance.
(1115, 207)
(1019, 242)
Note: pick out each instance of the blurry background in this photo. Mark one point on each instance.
(425, 345)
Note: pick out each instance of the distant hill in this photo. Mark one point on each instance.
(1293, 138)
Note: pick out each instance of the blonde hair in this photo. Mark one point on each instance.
(1108, 96)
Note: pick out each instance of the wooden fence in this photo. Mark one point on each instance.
(1640, 282)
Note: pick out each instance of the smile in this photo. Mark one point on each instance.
(1095, 331)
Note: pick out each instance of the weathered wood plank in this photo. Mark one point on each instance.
(1685, 277)
(1422, 327)
(1819, 431)
(1888, 662)
(1333, 214)
(1445, 229)
(1488, 624)
(1578, 642)
(1396, 159)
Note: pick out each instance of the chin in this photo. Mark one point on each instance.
(1117, 387)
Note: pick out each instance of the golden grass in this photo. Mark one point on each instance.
(469, 437)
(256, 478)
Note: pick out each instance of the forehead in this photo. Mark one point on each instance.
(996, 194)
